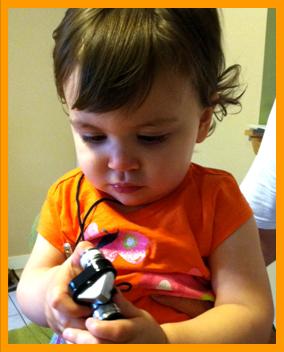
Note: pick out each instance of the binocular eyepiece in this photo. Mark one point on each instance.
(94, 286)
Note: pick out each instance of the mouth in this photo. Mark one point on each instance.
(125, 187)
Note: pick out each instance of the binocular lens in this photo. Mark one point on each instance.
(108, 311)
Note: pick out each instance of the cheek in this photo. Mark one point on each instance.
(83, 154)
(174, 162)
(170, 166)
(178, 154)
(87, 158)
(90, 161)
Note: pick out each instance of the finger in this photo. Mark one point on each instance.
(120, 330)
(63, 302)
(128, 310)
(79, 336)
(59, 298)
(59, 322)
(79, 250)
(116, 331)
(63, 323)
(82, 336)
(113, 331)
(191, 307)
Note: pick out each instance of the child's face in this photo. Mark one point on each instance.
(139, 156)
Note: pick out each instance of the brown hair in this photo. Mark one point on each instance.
(119, 51)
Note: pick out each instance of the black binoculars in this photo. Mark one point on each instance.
(94, 286)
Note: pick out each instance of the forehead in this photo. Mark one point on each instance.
(169, 95)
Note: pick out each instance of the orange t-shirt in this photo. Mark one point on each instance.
(161, 248)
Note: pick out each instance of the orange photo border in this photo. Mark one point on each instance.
(5, 6)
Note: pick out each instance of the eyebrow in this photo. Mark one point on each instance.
(81, 124)
(159, 122)
(155, 123)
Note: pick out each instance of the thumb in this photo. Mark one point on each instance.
(79, 250)
(128, 310)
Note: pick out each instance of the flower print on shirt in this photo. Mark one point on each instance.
(178, 285)
(130, 245)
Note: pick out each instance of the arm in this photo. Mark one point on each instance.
(43, 288)
(41, 266)
(243, 311)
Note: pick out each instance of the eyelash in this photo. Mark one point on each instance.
(148, 140)
(93, 139)
(152, 139)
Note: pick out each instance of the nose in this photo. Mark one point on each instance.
(122, 158)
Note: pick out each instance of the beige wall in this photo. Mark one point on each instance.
(40, 145)
(244, 39)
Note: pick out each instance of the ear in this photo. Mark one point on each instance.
(204, 124)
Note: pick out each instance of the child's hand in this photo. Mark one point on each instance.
(60, 309)
(137, 327)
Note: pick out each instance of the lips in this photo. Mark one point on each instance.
(125, 187)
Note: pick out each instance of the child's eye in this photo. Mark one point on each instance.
(93, 139)
(152, 139)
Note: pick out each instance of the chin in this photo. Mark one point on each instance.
(131, 202)
(137, 202)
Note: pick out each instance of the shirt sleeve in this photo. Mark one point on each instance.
(231, 210)
(259, 185)
(49, 225)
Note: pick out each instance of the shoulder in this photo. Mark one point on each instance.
(66, 189)
(211, 188)
(214, 187)
(68, 178)
(66, 182)
(219, 191)
(224, 208)
(58, 221)
(203, 176)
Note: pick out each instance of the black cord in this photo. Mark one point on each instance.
(95, 204)
(124, 286)
(78, 203)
